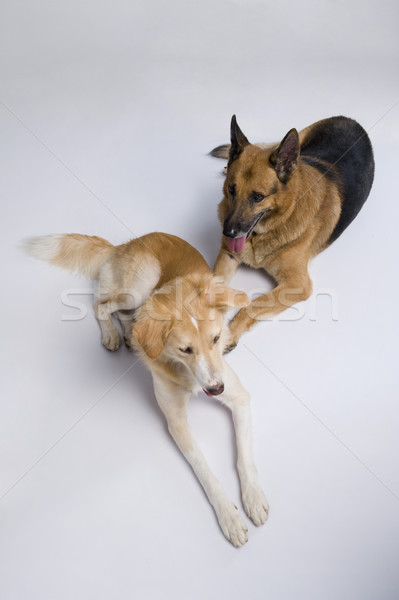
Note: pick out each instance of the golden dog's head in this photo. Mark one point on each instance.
(256, 183)
(183, 324)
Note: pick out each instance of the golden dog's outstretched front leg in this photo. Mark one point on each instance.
(287, 293)
(238, 400)
(173, 402)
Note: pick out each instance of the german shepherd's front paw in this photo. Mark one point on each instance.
(229, 347)
(237, 326)
(230, 342)
(233, 336)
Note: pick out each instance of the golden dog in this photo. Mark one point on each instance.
(179, 333)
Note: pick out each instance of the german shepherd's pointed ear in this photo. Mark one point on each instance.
(151, 334)
(284, 159)
(238, 140)
(220, 296)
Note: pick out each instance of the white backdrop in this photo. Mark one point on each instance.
(107, 112)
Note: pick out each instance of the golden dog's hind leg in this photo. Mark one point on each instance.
(110, 337)
(123, 288)
(126, 318)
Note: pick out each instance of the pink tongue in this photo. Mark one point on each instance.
(207, 393)
(236, 244)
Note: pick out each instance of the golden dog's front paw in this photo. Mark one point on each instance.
(255, 504)
(232, 525)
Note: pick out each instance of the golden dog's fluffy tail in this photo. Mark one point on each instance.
(83, 254)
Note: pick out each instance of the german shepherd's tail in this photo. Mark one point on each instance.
(82, 254)
(221, 151)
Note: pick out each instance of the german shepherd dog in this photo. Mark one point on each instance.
(179, 333)
(284, 203)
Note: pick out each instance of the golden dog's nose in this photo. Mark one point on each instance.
(215, 391)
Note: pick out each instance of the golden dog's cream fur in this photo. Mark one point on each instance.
(179, 332)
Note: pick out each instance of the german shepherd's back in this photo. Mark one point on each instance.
(341, 150)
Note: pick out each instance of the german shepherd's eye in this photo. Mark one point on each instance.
(232, 188)
(257, 197)
(187, 350)
(216, 339)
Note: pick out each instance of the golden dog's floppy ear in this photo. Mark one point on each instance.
(238, 140)
(223, 297)
(151, 334)
(285, 158)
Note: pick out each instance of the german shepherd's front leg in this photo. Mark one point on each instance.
(226, 265)
(288, 292)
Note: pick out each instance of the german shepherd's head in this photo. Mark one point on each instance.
(256, 185)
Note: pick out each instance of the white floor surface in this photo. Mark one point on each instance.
(107, 112)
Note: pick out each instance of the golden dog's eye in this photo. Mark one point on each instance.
(232, 188)
(187, 350)
(216, 339)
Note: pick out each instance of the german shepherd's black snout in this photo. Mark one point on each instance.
(233, 229)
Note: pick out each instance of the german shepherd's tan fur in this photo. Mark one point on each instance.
(284, 203)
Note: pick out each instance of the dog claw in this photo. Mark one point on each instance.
(229, 347)
(127, 343)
